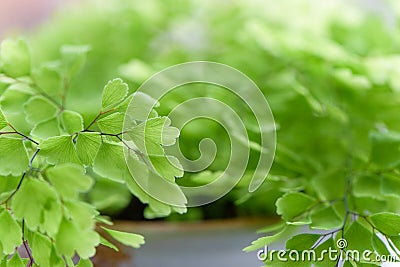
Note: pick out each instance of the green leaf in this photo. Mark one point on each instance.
(167, 167)
(114, 92)
(379, 246)
(107, 243)
(13, 156)
(128, 239)
(15, 261)
(41, 247)
(73, 57)
(329, 185)
(367, 186)
(112, 124)
(390, 185)
(386, 222)
(396, 241)
(37, 202)
(87, 146)
(271, 228)
(85, 263)
(13, 99)
(15, 56)
(325, 219)
(81, 213)
(59, 149)
(72, 121)
(49, 80)
(385, 149)
(138, 108)
(10, 232)
(266, 240)
(291, 205)
(71, 239)
(55, 259)
(358, 237)
(110, 162)
(328, 245)
(3, 121)
(46, 129)
(148, 136)
(302, 241)
(39, 109)
(69, 179)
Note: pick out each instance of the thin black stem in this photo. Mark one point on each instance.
(23, 135)
(15, 190)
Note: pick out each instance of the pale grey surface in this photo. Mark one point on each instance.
(202, 248)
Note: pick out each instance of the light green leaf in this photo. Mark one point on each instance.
(73, 57)
(69, 179)
(87, 146)
(55, 259)
(37, 202)
(15, 261)
(41, 247)
(367, 186)
(302, 241)
(390, 185)
(128, 239)
(385, 149)
(46, 129)
(293, 204)
(3, 121)
(15, 56)
(81, 213)
(71, 239)
(109, 196)
(112, 124)
(72, 121)
(39, 109)
(148, 136)
(10, 232)
(110, 162)
(386, 222)
(107, 243)
(167, 167)
(138, 108)
(329, 185)
(13, 156)
(271, 228)
(85, 263)
(114, 92)
(266, 240)
(49, 80)
(13, 99)
(59, 149)
(325, 219)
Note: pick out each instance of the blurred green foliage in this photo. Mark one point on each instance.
(329, 69)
